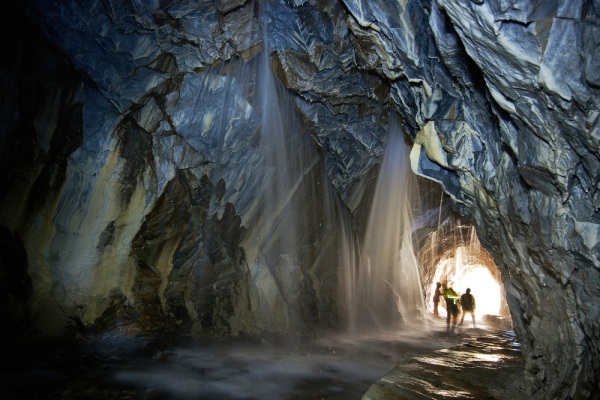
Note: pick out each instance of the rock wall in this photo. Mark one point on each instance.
(136, 176)
(133, 169)
(503, 103)
(535, 194)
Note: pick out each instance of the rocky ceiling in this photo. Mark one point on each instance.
(130, 162)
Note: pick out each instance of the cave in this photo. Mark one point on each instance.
(297, 172)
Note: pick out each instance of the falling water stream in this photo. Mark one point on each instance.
(387, 287)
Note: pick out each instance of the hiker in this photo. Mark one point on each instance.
(451, 306)
(467, 301)
(436, 298)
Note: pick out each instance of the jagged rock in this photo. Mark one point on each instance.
(133, 165)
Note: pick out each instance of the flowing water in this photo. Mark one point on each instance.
(330, 368)
(378, 281)
(386, 287)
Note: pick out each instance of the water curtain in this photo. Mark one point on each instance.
(387, 286)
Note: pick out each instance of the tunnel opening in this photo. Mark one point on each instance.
(450, 253)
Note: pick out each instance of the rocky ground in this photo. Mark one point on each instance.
(487, 365)
(433, 364)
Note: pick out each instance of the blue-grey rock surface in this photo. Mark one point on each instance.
(139, 179)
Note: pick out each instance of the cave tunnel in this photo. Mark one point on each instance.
(448, 251)
(200, 196)
(458, 259)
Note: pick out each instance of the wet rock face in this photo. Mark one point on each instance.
(135, 175)
(538, 188)
(133, 163)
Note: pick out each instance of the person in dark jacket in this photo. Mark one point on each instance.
(436, 298)
(467, 301)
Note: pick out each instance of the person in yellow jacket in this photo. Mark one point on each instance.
(451, 298)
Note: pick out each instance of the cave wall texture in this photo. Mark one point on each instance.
(131, 163)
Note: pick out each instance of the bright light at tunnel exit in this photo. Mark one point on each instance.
(483, 286)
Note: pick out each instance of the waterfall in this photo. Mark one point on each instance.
(279, 131)
(301, 244)
(291, 244)
(387, 286)
(348, 262)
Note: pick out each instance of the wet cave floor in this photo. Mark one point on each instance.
(469, 363)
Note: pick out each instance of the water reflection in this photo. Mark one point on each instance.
(333, 368)
(202, 373)
(120, 367)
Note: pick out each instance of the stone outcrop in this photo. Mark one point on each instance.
(135, 177)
